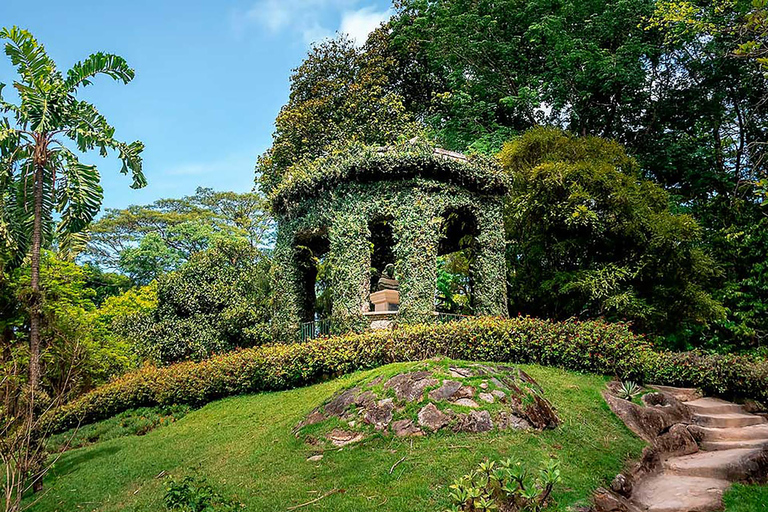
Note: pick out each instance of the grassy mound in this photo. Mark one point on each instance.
(244, 448)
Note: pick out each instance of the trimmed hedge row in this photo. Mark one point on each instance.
(594, 346)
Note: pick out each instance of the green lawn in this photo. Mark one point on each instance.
(244, 447)
(747, 498)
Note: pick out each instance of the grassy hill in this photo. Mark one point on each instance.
(243, 446)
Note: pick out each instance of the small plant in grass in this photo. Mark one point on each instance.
(629, 390)
(196, 495)
(505, 486)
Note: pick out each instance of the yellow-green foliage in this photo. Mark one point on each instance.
(596, 347)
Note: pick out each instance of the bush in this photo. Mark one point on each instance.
(505, 486)
(593, 346)
(196, 495)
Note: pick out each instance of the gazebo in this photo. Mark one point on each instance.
(368, 207)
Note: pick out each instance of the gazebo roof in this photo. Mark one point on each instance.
(369, 164)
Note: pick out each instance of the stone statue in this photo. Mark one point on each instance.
(387, 280)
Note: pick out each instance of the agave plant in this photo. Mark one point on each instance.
(629, 390)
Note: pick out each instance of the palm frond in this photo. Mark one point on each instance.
(31, 61)
(98, 64)
(70, 245)
(79, 194)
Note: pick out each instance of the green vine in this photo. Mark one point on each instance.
(367, 185)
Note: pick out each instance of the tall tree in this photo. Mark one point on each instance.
(144, 241)
(39, 174)
(340, 93)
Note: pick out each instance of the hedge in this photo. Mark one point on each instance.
(593, 346)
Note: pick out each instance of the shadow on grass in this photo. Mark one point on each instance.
(71, 460)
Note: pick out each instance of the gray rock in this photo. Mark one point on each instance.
(343, 437)
(445, 391)
(499, 394)
(379, 414)
(484, 385)
(464, 392)
(460, 373)
(475, 421)
(467, 402)
(411, 386)
(508, 420)
(486, 397)
(402, 428)
(432, 418)
(496, 382)
(341, 402)
(315, 458)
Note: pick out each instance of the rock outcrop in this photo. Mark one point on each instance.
(472, 398)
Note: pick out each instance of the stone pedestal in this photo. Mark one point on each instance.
(386, 300)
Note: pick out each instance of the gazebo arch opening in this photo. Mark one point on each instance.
(312, 248)
(382, 247)
(454, 289)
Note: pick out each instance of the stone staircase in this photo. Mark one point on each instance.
(729, 441)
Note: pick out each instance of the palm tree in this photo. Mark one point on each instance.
(40, 176)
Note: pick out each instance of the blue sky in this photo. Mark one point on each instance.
(210, 77)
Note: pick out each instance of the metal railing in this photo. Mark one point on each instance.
(315, 329)
(444, 318)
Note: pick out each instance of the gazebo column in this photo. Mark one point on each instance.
(286, 277)
(350, 262)
(416, 237)
(489, 271)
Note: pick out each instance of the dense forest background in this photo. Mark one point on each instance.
(633, 133)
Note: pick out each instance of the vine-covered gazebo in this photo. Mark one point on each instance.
(367, 207)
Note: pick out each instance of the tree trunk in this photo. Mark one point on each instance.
(34, 306)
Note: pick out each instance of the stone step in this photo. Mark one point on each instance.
(713, 406)
(682, 394)
(729, 420)
(722, 464)
(679, 493)
(733, 444)
(734, 434)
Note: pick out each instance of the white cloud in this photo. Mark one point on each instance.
(358, 24)
(311, 20)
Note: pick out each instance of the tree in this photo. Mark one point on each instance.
(218, 300)
(588, 237)
(42, 176)
(145, 241)
(339, 93)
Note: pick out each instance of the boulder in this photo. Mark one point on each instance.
(677, 441)
(649, 422)
(486, 397)
(467, 402)
(475, 421)
(432, 418)
(339, 404)
(341, 437)
(445, 391)
(379, 414)
(508, 420)
(410, 386)
(402, 428)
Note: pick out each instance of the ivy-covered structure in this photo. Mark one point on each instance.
(363, 208)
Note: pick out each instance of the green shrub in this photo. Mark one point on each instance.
(506, 485)
(196, 495)
(594, 346)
